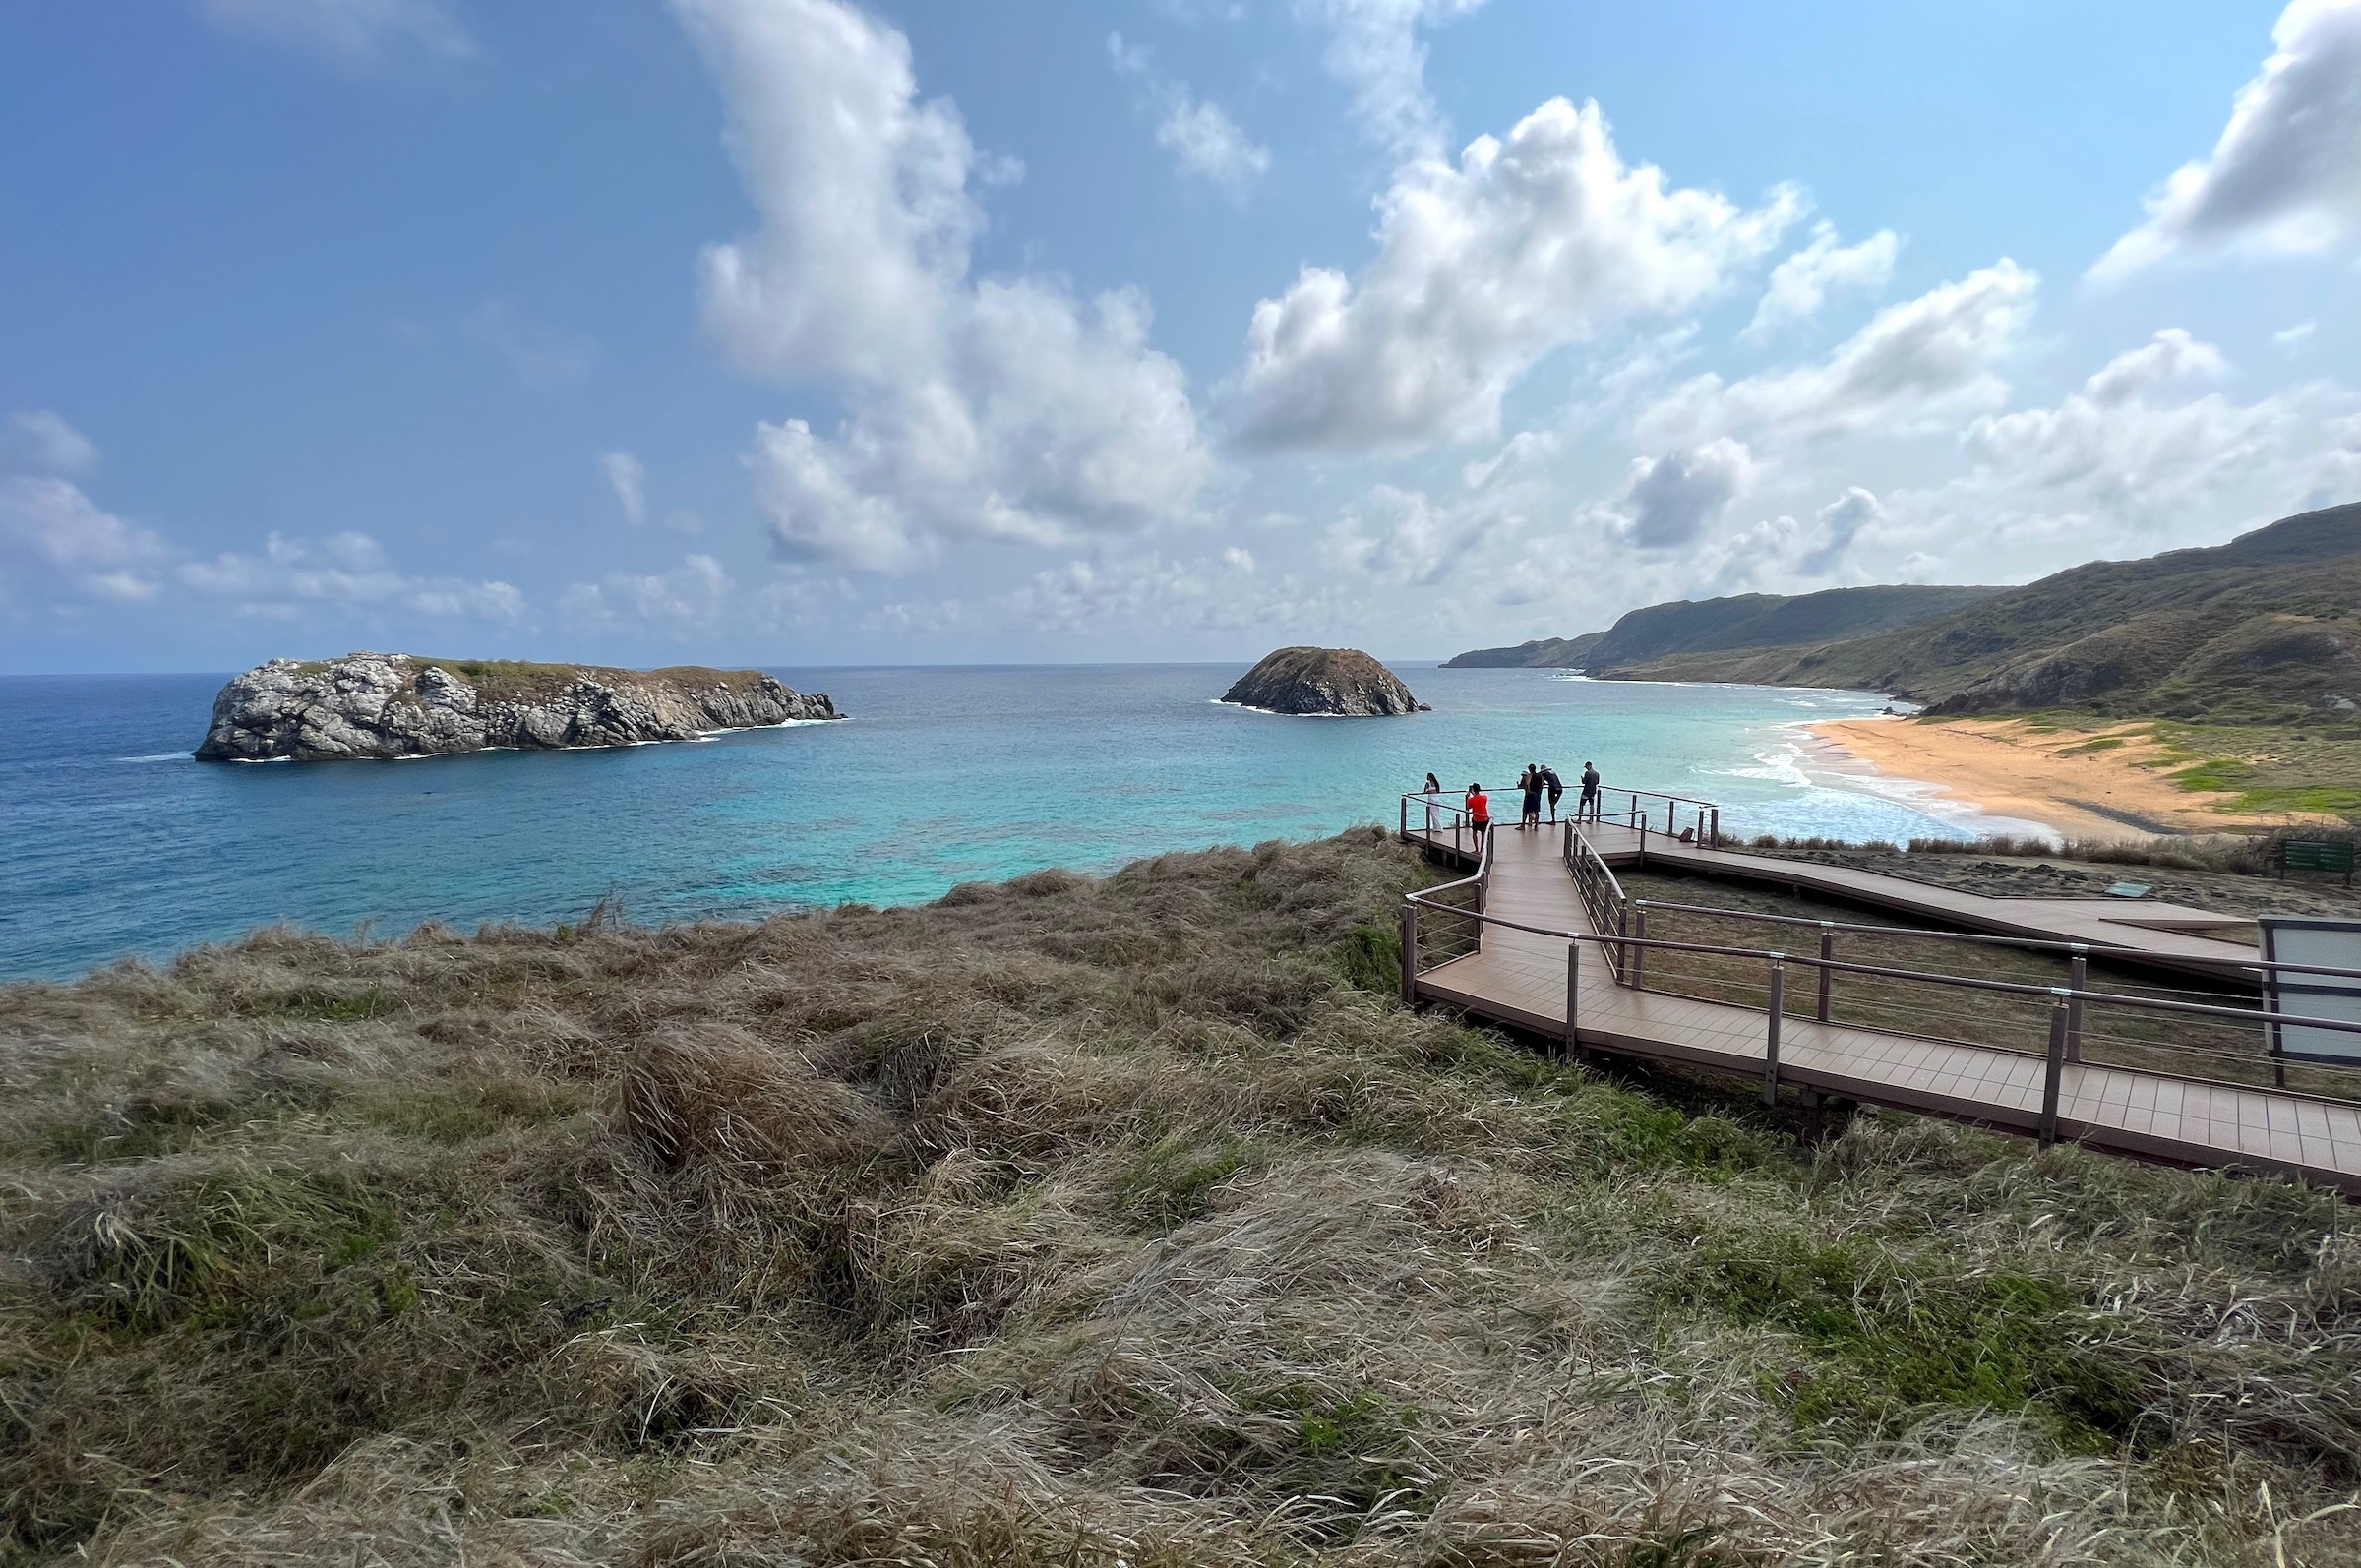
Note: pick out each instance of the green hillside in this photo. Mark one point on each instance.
(1744, 621)
(2264, 630)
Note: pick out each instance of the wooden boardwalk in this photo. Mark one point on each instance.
(2149, 931)
(1520, 978)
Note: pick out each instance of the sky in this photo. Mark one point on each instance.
(807, 331)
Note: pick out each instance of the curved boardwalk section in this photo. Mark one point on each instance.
(1521, 977)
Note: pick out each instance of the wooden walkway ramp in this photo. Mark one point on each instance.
(2149, 931)
(1521, 978)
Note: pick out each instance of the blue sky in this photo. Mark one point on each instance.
(801, 332)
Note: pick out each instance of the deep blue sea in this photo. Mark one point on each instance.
(114, 842)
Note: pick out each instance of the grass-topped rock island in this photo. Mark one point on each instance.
(398, 704)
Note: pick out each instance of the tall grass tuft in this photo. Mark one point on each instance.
(1124, 1221)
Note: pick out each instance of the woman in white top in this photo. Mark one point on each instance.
(1434, 795)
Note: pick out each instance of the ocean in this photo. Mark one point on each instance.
(115, 843)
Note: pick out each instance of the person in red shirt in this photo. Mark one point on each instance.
(1479, 810)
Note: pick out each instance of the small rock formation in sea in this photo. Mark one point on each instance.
(398, 704)
(1344, 682)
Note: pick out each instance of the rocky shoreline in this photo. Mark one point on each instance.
(389, 706)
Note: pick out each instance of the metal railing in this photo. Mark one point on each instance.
(2062, 1002)
(1678, 816)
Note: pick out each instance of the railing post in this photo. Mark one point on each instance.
(1622, 949)
(1639, 955)
(1573, 991)
(2079, 977)
(1717, 827)
(1779, 1006)
(2057, 1070)
(1410, 954)
(1828, 977)
(1404, 833)
(1643, 841)
(1670, 831)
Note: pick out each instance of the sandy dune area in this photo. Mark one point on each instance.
(2082, 784)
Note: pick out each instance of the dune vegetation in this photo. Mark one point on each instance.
(1126, 1221)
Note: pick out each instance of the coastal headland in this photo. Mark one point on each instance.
(384, 705)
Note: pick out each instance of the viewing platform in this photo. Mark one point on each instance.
(1542, 936)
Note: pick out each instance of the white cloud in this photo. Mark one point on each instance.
(627, 477)
(344, 568)
(1917, 366)
(2296, 337)
(2133, 462)
(1207, 143)
(349, 30)
(1800, 286)
(687, 600)
(1840, 523)
(998, 409)
(2286, 173)
(1482, 270)
(1127, 594)
(1375, 49)
(1671, 501)
(1202, 137)
(39, 441)
(52, 532)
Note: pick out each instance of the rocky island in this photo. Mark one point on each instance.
(1339, 683)
(399, 704)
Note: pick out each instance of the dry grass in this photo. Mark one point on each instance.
(1124, 1222)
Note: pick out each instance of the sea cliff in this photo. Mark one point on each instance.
(399, 704)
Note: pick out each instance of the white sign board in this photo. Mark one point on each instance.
(2324, 944)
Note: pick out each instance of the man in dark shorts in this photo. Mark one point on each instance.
(1480, 812)
(1557, 787)
(1531, 784)
(1588, 806)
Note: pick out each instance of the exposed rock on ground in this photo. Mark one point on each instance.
(398, 704)
(1344, 683)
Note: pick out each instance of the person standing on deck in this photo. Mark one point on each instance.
(1480, 812)
(1434, 802)
(1558, 790)
(1588, 806)
(1531, 784)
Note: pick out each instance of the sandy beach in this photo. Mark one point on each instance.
(2055, 779)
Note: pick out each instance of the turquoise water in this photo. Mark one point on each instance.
(114, 842)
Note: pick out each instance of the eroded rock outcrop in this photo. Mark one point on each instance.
(398, 704)
(1342, 682)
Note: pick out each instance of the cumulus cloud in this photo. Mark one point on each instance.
(1671, 501)
(688, 599)
(1801, 284)
(51, 533)
(345, 568)
(627, 477)
(1202, 137)
(348, 30)
(39, 441)
(1215, 594)
(1917, 366)
(1840, 523)
(1376, 51)
(2139, 457)
(1483, 268)
(1004, 408)
(2285, 174)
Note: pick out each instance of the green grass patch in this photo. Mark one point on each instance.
(1172, 1180)
(1893, 1337)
